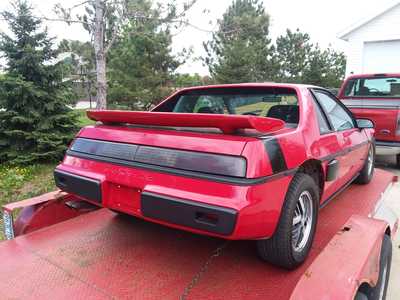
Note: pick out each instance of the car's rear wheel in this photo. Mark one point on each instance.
(367, 171)
(291, 242)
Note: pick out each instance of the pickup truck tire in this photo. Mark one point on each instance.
(367, 171)
(378, 292)
(291, 242)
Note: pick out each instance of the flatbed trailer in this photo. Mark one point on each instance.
(61, 249)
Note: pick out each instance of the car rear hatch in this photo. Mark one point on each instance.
(206, 154)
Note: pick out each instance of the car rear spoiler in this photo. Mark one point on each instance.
(226, 123)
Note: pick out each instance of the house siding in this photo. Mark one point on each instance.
(385, 27)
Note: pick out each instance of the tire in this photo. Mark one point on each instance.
(398, 161)
(283, 249)
(367, 171)
(378, 292)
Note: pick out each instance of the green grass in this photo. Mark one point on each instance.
(83, 119)
(19, 183)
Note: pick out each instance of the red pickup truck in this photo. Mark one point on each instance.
(376, 97)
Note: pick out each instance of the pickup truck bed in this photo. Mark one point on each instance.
(101, 255)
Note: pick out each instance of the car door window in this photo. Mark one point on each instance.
(339, 117)
(322, 121)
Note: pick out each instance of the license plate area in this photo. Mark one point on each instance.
(124, 198)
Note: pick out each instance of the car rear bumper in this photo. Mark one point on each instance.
(211, 218)
(202, 206)
(387, 148)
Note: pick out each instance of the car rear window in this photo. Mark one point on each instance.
(281, 103)
(382, 87)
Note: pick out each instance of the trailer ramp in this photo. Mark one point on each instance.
(101, 255)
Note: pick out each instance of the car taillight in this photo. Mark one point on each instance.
(211, 163)
(193, 161)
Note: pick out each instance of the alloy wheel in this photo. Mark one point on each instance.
(302, 221)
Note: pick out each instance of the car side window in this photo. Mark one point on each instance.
(339, 117)
(322, 121)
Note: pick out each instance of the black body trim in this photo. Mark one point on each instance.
(191, 174)
(275, 154)
(331, 197)
(343, 152)
(191, 214)
(332, 170)
(85, 187)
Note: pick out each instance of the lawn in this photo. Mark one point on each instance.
(83, 119)
(21, 182)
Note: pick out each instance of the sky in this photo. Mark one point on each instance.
(322, 20)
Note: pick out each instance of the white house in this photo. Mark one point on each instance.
(374, 43)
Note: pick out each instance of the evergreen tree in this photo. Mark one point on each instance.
(140, 65)
(35, 125)
(335, 72)
(302, 62)
(325, 68)
(292, 52)
(241, 50)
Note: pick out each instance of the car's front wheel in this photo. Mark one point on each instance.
(291, 242)
(367, 171)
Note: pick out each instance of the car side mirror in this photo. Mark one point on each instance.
(364, 123)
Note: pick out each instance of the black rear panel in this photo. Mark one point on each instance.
(87, 188)
(201, 216)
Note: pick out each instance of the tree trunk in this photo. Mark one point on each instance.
(101, 97)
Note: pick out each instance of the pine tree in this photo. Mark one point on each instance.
(241, 50)
(293, 51)
(303, 62)
(35, 123)
(325, 68)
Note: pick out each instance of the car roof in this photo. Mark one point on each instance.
(258, 84)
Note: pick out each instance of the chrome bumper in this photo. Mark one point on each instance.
(387, 148)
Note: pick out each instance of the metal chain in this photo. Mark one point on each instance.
(217, 252)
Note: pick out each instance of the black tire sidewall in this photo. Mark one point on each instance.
(385, 260)
(364, 177)
(278, 249)
(309, 185)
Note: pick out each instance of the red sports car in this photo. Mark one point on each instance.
(240, 161)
